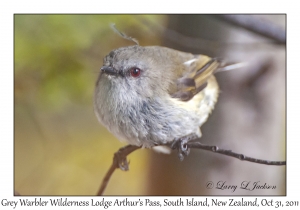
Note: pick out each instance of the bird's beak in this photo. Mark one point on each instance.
(109, 70)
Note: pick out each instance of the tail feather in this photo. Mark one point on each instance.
(230, 66)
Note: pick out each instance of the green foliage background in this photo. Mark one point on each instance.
(60, 148)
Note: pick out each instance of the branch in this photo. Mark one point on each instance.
(120, 161)
(198, 145)
(199, 43)
(257, 25)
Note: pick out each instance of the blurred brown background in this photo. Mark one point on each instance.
(61, 149)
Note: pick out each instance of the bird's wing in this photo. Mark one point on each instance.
(195, 75)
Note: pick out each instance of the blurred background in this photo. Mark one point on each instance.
(61, 149)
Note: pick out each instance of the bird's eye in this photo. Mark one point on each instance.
(135, 72)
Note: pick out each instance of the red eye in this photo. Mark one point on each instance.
(135, 72)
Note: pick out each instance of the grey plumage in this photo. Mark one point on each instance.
(170, 98)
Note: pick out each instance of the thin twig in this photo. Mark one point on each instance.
(119, 161)
(199, 43)
(257, 25)
(198, 145)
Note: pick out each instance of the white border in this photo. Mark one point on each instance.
(6, 83)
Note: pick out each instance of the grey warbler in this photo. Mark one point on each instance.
(154, 95)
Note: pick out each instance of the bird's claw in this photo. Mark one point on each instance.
(181, 145)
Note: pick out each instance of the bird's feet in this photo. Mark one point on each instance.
(181, 145)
